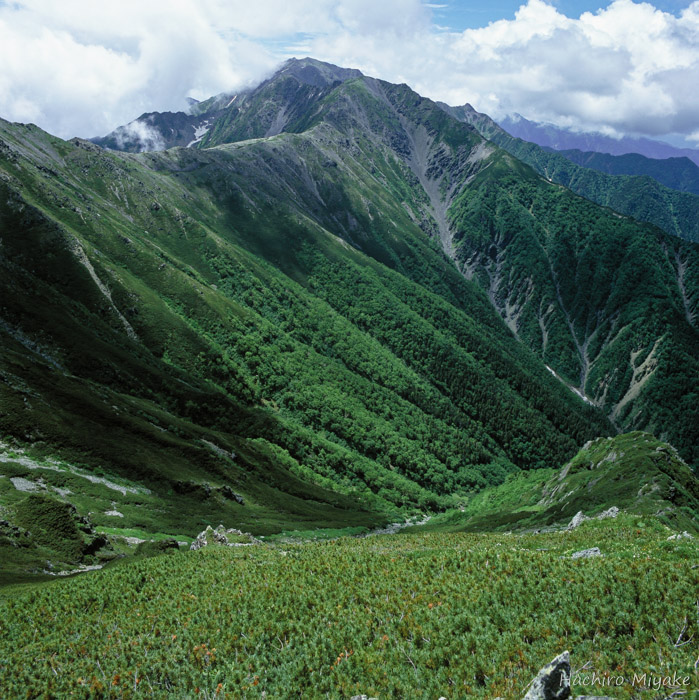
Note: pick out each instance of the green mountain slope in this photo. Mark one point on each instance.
(639, 196)
(634, 473)
(679, 174)
(292, 299)
(608, 305)
(154, 304)
(597, 296)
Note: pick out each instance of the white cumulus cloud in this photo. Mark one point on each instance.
(79, 67)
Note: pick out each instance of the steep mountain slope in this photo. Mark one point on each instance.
(156, 305)
(288, 298)
(551, 136)
(640, 197)
(604, 302)
(679, 174)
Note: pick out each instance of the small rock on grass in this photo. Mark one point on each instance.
(586, 553)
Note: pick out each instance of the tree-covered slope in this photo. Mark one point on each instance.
(679, 174)
(609, 305)
(639, 196)
(631, 473)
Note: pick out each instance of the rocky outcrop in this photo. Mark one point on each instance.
(553, 681)
(580, 517)
(223, 537)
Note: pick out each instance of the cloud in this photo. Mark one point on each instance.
(140, 133)
(79, 67)
(82, 68)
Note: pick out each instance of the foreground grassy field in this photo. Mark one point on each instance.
(420, 615)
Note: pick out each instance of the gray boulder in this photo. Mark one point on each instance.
(223, 537)
(553, 681)
(578, 518)
(586, 553)
(609, 513)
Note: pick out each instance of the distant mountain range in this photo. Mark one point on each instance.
(555, 137)
(339, 301)
(679, 174)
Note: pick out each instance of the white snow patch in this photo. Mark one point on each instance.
(199, 132)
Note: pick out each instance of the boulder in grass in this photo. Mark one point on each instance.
(553, 681)
(223, 537)
(586, 553)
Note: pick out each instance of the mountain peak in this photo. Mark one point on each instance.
(316, 73)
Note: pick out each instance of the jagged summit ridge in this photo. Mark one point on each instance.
(157, 131)
(317, 73)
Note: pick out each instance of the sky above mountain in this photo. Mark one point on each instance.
(82, 68)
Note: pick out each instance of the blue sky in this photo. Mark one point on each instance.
(472, 14)
(79, 67)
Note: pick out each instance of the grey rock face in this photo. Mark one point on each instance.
(553, 681)
(223, 537)
(586, 553)
(578, 518)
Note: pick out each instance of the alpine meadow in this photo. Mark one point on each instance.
(419, 399)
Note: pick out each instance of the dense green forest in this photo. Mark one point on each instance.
(679, 174)
(643, 196)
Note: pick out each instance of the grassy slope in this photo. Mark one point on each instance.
(454, 615)
(634, 472)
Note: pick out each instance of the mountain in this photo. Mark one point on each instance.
(276, 104)
(162, 311)
(640, 197)
(299, 322)
(679, 174)
(551, 136)
(601, 480)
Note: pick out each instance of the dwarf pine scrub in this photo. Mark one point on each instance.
(454, 615)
